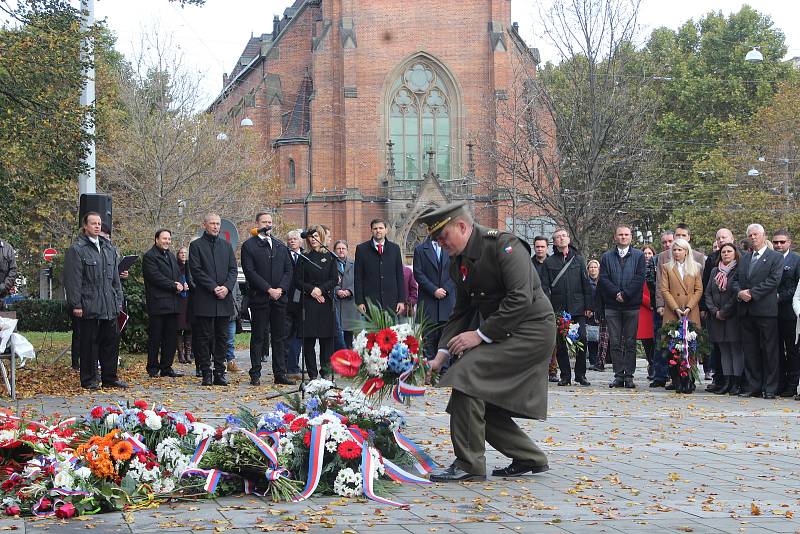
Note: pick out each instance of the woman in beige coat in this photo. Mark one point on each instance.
(681, 284)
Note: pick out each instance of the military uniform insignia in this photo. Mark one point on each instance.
(323, 260)
(509, 249)
(492, 233)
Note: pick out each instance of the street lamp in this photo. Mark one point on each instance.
(246, 122)
(222, 136)
(753, 172)
(754, 55)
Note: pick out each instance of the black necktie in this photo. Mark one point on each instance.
(753, 261)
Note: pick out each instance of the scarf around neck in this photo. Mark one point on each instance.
(722, 275)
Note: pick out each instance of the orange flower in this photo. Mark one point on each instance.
(122, 451)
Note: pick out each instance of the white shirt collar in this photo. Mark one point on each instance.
(761, 251)
(268, 238)
(786, 253)
(95, 240)
(375, 244)
(623, 251)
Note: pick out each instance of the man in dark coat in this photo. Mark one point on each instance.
(212, 265)
(379, 272)
(502, 331)
(756, 285)
(539, 256)
(622, 271)
(294, 323)
(567, 283)
(787, 320)
(162, 289)
(437, 291)
(267, 267)
(94, 294)
(8, 270)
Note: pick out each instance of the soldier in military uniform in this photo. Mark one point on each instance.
(501, 335)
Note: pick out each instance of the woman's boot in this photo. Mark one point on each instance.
(181, 358)
(725, 387)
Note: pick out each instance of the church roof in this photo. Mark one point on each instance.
(298, 120)
(251, 50)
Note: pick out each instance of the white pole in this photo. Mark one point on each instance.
(86, 181)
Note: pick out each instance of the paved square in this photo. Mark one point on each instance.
(630, 461)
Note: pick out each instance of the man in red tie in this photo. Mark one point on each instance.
(378, 272)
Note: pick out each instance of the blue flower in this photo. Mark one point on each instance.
(566, 316)
(399, 359)
(283, 407)
(312, 404)
(233, 421)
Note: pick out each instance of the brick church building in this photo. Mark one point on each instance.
(374, 108)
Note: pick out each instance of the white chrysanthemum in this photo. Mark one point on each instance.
(82, 473)
(374, 363)
(111, 419)
(348, 483)
(7, 435)
(378, 462)
(318, 387)
(403, 330)
(64, 479)
(330, 446)
(360, 342)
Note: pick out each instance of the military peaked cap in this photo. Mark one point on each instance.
(438, 218)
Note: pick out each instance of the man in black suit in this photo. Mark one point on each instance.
(212, 266)
(539, 255)
(756, 285)
(437, 291)
(162, 289)
(268, 270)
(379, 272)
(293, 328)
(787, 320)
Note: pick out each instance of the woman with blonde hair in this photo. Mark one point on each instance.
(681, 285)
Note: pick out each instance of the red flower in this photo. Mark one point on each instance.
(372, 337)
(413, 344)
(142, 405)
(288, 418)
(13, 510)
(142, 417)
(386, 339)
(180, 428)
(297, 424)
(218, 434)
(59, 446)
(349, 450)
(372, 386)
(7, 484)
(97, 412)
(464, 272)
(345, 362)
(65, 511)
(344, 421)
(190, 417)
(45, 505)
(307, 438)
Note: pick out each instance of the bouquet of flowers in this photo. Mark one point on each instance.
(569, 332)
(686, 347)
(386, 358)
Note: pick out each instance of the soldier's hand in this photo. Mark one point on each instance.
(437, 363)
(461, 343)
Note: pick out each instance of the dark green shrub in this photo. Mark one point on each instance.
(134, 338)
(42, 315)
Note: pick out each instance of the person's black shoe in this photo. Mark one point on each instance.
(657, 384)
(153, 375)
(788, 393)
(629, 383)
(255, 380)
(617, 383)
(518, 468)
(593, 368)
(208, 380)
(94, 386)
(797, 397)
(220, 380)
(750, 393)
(115, 384)
(553, 379)
(172, 374)
(564, 383)
(453, 474)
(670, 386)
(582, 381)
(769, 395)
(284, 381)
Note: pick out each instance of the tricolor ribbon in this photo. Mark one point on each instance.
(265, 449)
(68, 493)
(403, 389)
(424, 462)
(368, 469)
(213, 476)
(398, 474)
(136, 441)
(201, 449)
(48, 513)
(316, 452)
(685, 332)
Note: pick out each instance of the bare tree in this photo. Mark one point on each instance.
(172, 163)
(571, 138)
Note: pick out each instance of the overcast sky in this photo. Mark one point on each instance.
(213, 36)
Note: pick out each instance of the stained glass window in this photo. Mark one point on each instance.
(419, 119)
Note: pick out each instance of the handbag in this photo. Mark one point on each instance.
(592, 333)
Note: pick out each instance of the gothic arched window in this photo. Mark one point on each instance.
(292, 174)
(419, 120)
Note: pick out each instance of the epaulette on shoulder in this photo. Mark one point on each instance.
(492, 234)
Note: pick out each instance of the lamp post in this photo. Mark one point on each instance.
(86, 181)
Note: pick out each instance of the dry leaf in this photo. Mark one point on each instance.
(754, 509)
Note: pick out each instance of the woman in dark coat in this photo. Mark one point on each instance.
(317, 287)
(184, 326)
(723, 324)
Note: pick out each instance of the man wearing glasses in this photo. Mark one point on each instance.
(787, 320)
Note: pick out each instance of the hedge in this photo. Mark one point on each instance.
(42, 315)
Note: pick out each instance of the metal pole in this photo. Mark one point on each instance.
(86, 180)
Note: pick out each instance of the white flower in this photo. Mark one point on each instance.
(330, 446)
(152, 420)
(318, 387)
(7, 435)
(348, 483)
(64, 480)
(83, 473)
(111, 419)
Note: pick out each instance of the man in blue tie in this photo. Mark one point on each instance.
(437, 292)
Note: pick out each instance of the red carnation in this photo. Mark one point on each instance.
(13, 510)
(142, 405)
(97, 412)
(372, 337)
(288, 418)
(345, 362)
(59, 446)
(218, 434)
(45, 505)
(307, 438)
(372, 386)
(8, 484)
(65, 511)
(297, 424)
(180, 428)
(349, 450)
(412, 343)
(142, 417)
(386, 339)
(190, 417)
